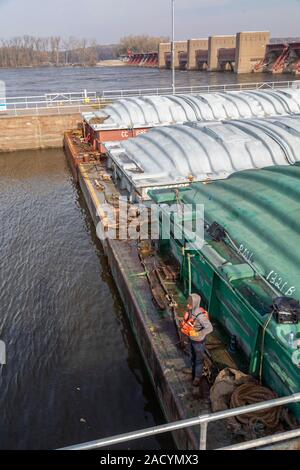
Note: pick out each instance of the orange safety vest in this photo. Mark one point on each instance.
(187, 326)
(88, 138)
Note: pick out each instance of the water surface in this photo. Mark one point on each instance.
(73, 371)
(38, 81)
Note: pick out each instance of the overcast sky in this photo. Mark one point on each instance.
(108, 20)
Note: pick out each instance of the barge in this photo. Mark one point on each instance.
(247, 269)
(154, 280)
(129, 117)
(181, 154)
(153, 328)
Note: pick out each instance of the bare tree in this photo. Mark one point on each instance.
(68, 45)
(140, 44)
(55, 47)
(29, 51)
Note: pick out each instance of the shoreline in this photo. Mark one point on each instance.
(103, 63)
(111, 63)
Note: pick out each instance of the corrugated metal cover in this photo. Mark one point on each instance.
(260, 210)
(152, 111)
(206, 151)
(249, 257)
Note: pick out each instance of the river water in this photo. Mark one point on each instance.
(73, 370)
(28, 82)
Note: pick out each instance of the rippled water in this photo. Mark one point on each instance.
(73, 370)
(24, 82)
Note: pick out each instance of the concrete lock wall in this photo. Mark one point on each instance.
(214, 44)
(195, 45)
(250, 49)
(165, 48)
(35, 132)
(180, 46)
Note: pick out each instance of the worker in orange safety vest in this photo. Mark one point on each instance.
(196, 325)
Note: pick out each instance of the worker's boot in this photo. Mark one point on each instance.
(198, 388)
(196, 382)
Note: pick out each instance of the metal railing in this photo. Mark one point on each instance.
(51, 102)
(203, 422)
(116, 94)
(60, 102)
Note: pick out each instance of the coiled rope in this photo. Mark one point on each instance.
(250, 393)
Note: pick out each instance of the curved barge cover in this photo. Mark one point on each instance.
(179, 154)
(152, 111)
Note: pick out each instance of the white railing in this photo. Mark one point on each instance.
(203, 421)
(59, 102)
(116, 94)
(50, 102)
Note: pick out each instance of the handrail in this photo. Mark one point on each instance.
(19, 103)
(54, 94)
(280, 437)
(203, 421)
(66, 108)
(253, 85)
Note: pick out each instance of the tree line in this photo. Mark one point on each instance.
(30, 51)
(140, 44)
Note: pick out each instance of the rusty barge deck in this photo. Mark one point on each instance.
(153, 329)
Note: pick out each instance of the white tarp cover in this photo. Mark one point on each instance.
(152, 111)
(204, 151)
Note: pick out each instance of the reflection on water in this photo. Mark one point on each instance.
(73, 370)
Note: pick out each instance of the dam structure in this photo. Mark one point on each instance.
(240, 53)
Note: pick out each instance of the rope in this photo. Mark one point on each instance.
(262, 349)
(251, 393)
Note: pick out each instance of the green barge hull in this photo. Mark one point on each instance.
(249, 259)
